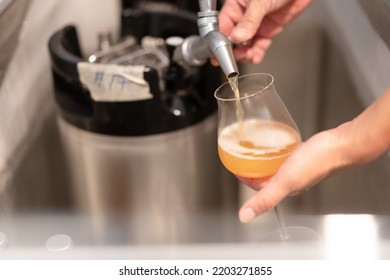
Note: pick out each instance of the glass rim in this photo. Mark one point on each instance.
(246, 96)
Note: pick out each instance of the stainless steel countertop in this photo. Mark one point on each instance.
(64, 236)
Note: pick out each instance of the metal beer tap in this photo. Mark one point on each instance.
(196, 50)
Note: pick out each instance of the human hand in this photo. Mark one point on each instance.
(258, 21)
(359, 141)
(311, 162)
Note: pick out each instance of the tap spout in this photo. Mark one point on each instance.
(221, 48)
(195, 50)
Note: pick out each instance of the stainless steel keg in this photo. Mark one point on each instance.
(147, 163)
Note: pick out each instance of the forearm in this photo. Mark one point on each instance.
(368, 135)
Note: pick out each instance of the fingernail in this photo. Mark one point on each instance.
(240, 33)
(247, 215)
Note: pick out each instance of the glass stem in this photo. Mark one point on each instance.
(284, 236)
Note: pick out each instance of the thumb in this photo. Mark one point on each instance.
(263, 201)
(249, 23)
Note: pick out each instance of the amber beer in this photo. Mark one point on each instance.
(266, 146)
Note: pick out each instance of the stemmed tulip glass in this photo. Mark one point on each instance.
(256, 133)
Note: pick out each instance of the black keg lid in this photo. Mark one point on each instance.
(179, 105)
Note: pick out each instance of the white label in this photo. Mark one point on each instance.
(113, 83)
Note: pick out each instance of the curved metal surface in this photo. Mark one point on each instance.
(12, 13)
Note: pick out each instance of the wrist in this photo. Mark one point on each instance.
(348, 147)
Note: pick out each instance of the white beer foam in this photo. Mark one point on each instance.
(271, 136)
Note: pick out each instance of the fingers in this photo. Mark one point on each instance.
(249, 23)
(240, 20)
(253, 53)
(263, 201)
(230, 14)
(258, 21)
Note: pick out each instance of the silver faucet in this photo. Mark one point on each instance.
(196, 50)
